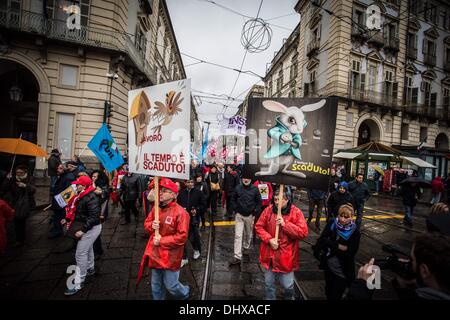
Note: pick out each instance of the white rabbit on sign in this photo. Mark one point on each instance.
(286, 136)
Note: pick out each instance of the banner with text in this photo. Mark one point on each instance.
(159, 129)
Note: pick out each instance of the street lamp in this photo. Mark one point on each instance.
(107, 114)
(15, 94)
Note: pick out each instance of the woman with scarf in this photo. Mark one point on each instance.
(336, 249)
(85, 210)
(18, 191)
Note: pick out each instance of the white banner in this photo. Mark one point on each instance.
(234, 126)
(159, 129)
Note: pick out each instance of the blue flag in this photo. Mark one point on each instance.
(104, 147)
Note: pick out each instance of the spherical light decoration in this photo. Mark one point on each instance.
(256, 35)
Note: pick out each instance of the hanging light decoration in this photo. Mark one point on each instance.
(15, 92)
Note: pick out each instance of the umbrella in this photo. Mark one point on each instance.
(421, 183)
(22, 147)
(378, 169)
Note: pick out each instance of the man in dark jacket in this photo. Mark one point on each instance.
(333, 182)
(84, 209)
(247, 203)
(130, 193)
(193, 201)
(72, 167)
(360, 193)
(410, 194)
(316, 198)
(53, 161)
(430, 259)
(63, 181)
(337, 199)
(195, 169)
(230, 182)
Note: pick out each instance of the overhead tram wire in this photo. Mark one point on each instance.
(243, 61)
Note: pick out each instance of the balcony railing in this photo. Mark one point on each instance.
(37, 24)
(373, 97)
(430, 112)
(392, 43)
(358, 33)
(411, 52)
(313, 46)
(375, 37)
(429, 59)
(447, 66)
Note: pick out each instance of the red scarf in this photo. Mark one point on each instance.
(71, 207)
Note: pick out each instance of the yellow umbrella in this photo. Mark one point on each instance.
(22, 147)
(378, 168)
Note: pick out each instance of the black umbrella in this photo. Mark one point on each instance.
(420, 182)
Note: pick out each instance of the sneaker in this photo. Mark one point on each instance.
(235, 261)
(90, 272)
(184, 262)
(71, 292)
(196, 254)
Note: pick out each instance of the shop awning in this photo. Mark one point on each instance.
(419, 162)
(346, 155)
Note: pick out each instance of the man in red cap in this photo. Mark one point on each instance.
(84, 209)
(164, 252)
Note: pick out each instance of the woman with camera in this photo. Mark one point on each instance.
(336, 249)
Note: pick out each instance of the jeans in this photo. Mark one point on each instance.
(436, 198)
(171, 283)
(377, 186)
(286, 280)
(84, 254)
(213, 200)
(243, 234)
(359, 213)
(230, 210)
(408, 213)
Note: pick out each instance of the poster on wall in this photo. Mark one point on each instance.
(159, 129)
(291, 140)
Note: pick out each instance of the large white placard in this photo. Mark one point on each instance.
(159, 129)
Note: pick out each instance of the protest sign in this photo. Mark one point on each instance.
(290, 140)
(64, 197)
(159, 129)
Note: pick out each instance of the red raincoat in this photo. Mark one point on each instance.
(437, 185)
(285, 258)
(174, 229)
(6, 215)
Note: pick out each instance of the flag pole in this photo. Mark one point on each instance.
(280, 199)
(156, 184)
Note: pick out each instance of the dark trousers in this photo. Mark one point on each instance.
(334, 286)
(229, 206)
(194, 234)
(213, 200)
(130, 205)
(98, 249)
(320, 203)
(58, 215)
(20, 227)
(359, 213)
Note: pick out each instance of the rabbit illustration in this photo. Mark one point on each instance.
(286, 136)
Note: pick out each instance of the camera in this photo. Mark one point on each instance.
(401, 268)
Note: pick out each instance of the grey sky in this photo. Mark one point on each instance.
(209, 32)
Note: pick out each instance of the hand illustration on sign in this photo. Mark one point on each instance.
(286, 137)
(165, 112)
(140, 114)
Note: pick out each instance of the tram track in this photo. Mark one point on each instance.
(206, 288)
